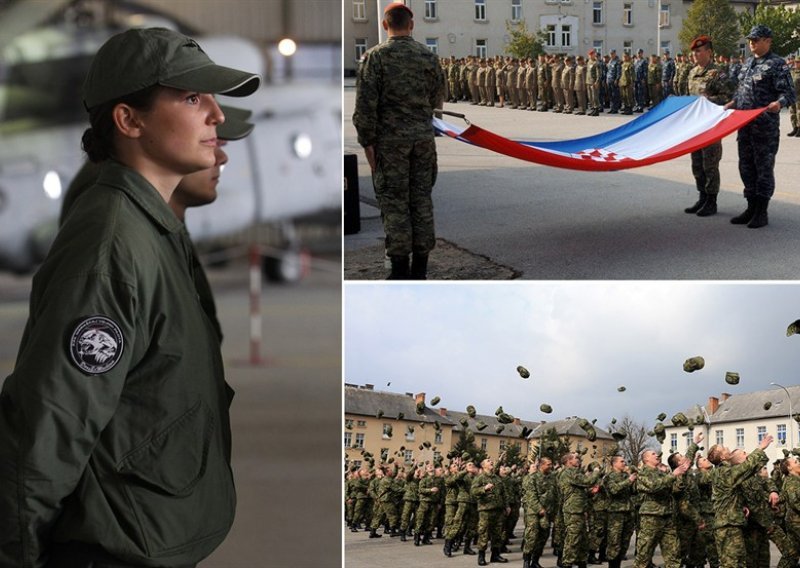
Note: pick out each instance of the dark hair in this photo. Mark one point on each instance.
(98, 140)
(673, 461)
(785, 467)
(398, 18)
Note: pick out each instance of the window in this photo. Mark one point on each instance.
(781, 434)
(480, 10)
(627, 47)
(720, 438)
(437, 438)
(408, 455)
(597, 13)
(359, 441)
(627, 14)
(502, 445)
(430, 10)
(740, 437)
(741, 50)
(673, 442)
(409, 435)
(761, 431)
(480, 47)
(387, 431)
(359, 9)
(361, 423)
(433, 44)
(516, 10)
(550, 30)
(348, 439)
(598, 45)
(565, 35)
(361, 49)
(357, 463)
(665, 45)
(437, 456)
(483, 444)
(663, 19)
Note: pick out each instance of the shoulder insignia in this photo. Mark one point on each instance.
(96, 345)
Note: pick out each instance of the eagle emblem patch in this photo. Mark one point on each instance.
(96, 345)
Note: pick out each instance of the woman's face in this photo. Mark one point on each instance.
(179, 132)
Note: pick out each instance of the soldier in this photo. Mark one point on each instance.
(689, 520)
(790, 495)
(568, 84)
(729, 517)
(463, 521)
(483, 98)
(363, 506)
(511, 82)
(794, 109)
(765, 81)
(558, 92)
(598, 519)
(522, 92)
(399, 85)
(452, 77)
(612, 81)
(683, 75)
(410, 501)
(543, 83)
(580, 85)
(602, 64)
(706, 80)
(735, 69)
(640, 81)
(654, 80)
(376, 516)
(619, 485)
(667, 74)
(626, 81)
(487, 489)
(573, 486)
(445, 65)
(389, 492)
(539, 496)
(472, 81)
(466, 69)
(428, 498)
(491, 82)
(706, 548)
(593, 81)
(531, 84)
(657, 511)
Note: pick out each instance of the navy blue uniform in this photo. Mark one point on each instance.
(667, 75)
(612, 79)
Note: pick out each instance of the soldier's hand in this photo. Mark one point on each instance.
(765, 441)
(434, 489)
(488, 486)
(746, 513)
(542, 512)
(774, 106)
(774, 499)
(698, 438)
(632, 477)
(369, 152)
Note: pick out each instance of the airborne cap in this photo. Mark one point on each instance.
(139, 58)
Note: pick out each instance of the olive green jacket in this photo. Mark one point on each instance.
(114, 425)
(620, 491)
(492, 499)
(726, 495)
(657, 490)
(573, 485)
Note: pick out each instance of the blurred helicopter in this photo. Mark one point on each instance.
(288, 167)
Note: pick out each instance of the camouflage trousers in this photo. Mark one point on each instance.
(656, 530)
(705, 168)
(409, 507)
(758, 144)
(655, 93)
(613, 95)
(449, 515)
(455, 90)
(424, 516)
(619, 533)
(511, 521)
(787, 546)
(544, 99)
(558, 531)
(576, 539)
(404, 176)
(626, 92)
(688, 536)
(463, 522)
(705, 548)
(361, 512)
(377, 517)
(794, 112)
(390, 514)
(730, 547)
(537, 529)
(490, 528)
(598, 530)
(349, 509)
(756, 543)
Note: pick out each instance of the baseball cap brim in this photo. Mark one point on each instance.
(235, 126)
(215, 79)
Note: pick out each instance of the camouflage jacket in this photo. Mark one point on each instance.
(626, 76)
(572, 486)
(452, 482)
(726, 494)
(640, 70)
(465, 489)
(668, 71)
(488, 500)
(426, 484)
(702, 480)
(411, 492)
(755, 492)
(361, 489)
(790, 494)
(399, 84)
(614, 70)
(711, 83)
(539, 492)
(620, 491)
(372, 488)
(763, 80)
(592, 72)
(653, 73)
(389, 489)
(657, 490)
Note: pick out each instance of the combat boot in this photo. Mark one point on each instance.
(581, 564)
(496, 556)
(417, 537)
(748, 213)
(373, 533)
(709, 207)
(426, 538)
(399, 268)
(593, 558)
(419, 271)
(526, 561)
(448, 547)
(760, 215)
(394, 532)
(403, 536)
(793, 131)
(482, 558)
(468, 550)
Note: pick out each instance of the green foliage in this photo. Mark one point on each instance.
(716, 19)
(466, 443)
(522, 42)
(784, 23)
(513, 456)
(551, 446)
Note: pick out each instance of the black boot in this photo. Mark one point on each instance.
(748, 213)
(593, 558)
(426, 538)
(701, 200)
(468, 550)
(581, 564)
(419, 271)
(526, 561)
(417, 539)
(394, 532)
(535, 562)
(448, 547)
(402, 536)
(709, 208)
(760, 216)
(373, 533)
(439, 533)
(399, 268)
(481, 558)
(496, 556)
(793, 132)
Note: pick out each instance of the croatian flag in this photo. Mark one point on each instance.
(676, 126)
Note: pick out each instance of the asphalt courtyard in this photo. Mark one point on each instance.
(540, 222)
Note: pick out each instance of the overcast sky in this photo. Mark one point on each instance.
(579, 340)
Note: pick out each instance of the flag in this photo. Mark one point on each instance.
(676, 126)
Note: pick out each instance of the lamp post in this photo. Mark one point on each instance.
(791, 428)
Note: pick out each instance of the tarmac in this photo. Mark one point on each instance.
(285, 416)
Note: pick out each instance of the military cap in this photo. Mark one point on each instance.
(235, 126)
(767, 405)
(421, 447)
(348, 424)
(504, 418)
(471, 411)
(661, 417)
(499, 428)
(592, 51)
(619, 436)
(437, 425)
(640, 50)
(464, 422)
(546, 408)
(759, 31)
(613, 420)
(700, 41)
(525, 432)
(786, 454)
(379, 414)
(480, 425)
(397, 5)
(420, 407)
(435, 400)
(426, 444)
(698, 420)
(389, 431)
(680, 419)
(523, 372)
(139, 58)
(621, 388)
(693, 364)
(793, 328)
(732, 378)
(499, 411)
(400, 415)
(465, 456)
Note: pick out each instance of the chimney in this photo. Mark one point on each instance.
(443, 412)
(713, 405)
(369, 387)
(419, 397)
(516, 421)
(725, 396)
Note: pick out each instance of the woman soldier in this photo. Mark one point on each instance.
(114, 429)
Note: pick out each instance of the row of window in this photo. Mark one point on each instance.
(359, 437)
(598, 11)
(719, 437)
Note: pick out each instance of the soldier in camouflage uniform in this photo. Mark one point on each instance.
(706, 80)
(410, 501)
(735, 69)
(568, 84)
(463, 78)
(400, 83)
(794, 110)
(452, 77)
(574, 486)
(428, 499)
(487, 489)
(555, 83)
(472, 81)
(438, 516)
(706, 548)
(640, 81)
(464, 522)
(593, 80)
(654, 80)
(491, 82)
(683, 75)
(580, 85)
(667, 75)
(511, 82)
(689, 520)
(539, 498)
(543, 79)
(377, 517)
(390, 491)
(481, 81)
(727, 499)
(598, 518)
(522, 92)
(657, 511)
(531, 84)
(612, 81)
(764, 81)
(790, 495)
(513, 490)
(363, 506)
(627, 78)
(619, 485)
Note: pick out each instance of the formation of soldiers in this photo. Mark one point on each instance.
(794, 110)
(720, 509)
(574, 85)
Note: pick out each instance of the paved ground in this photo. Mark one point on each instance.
(549, 223)
(286, 416)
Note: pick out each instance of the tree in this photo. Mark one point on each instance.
(551, 446)
(784, 23)
(512, 456)
(466, 444)
(636, 440)
(522, 42)
(716, 19)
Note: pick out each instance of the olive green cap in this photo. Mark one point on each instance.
(793, 328)
(680, 419)
(693, 364)
(420, 407)
(732, 378)
(235, 126)
(480, 425)
(379, 414)
(546, 408)
(435, 400)
(661, 417)
(400, 415)
(767, 405)
(471, 411)
(523, 372)
(464, 422)
(139, 58)
(621, 388)
(499, 428)
(499, 411)
(619, 436)
(504, 418)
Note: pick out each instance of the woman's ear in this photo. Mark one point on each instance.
(126, 119)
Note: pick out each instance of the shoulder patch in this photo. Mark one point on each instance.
(96, 345)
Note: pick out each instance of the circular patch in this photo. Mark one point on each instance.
(96, 345)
